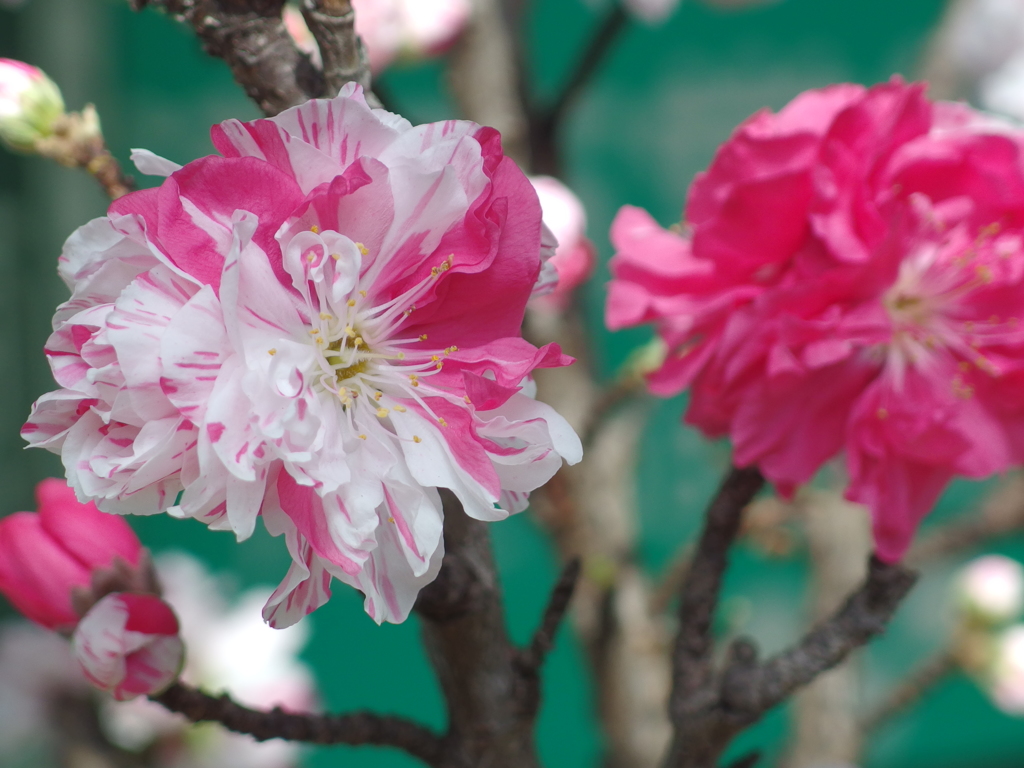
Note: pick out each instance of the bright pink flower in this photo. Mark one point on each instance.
(44, 556)
(128, 645)
(850, 278)
(574, 259)
(322, 328)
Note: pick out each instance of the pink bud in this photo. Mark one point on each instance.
(128, 645)
(991, 589)
(44, 556)
(565, 216)
(29, 104)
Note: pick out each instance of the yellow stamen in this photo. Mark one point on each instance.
(271, 352)
(417, 439)
(362, 249)
(382, 412)
(315, 229)
(400, 408)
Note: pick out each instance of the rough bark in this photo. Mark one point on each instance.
(332, 23)
(710, 705)
(492, 696)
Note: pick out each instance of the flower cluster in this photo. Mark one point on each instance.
(849, 278)
(74, 569)
(320, 328)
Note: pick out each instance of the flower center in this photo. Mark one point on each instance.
(940, 305)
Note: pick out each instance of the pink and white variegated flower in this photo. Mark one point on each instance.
(322, 328)
(128, 645)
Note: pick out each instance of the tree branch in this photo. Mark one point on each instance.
(251, 37)
(864, 615)
(545, 124)
(544, 638)
(332, 23)
(691, 660)
(709, 707)
(492, 699)
(354, 729)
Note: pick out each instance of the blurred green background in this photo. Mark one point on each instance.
(663, 100)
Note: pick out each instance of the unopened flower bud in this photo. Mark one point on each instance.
(44, 557)
(128, 645)
(990, 590)
(575, 257)
(1007, 676)
(30, 105)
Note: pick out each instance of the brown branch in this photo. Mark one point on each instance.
(864, 615)
(358, 728)
(251, 38)
(932, 672)
(492, 699)
(709, 707)
(77, 142)
(691, 660)
(332, 23)
(544, 638)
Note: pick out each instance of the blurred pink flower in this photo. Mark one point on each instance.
(392, 29)
(412, 29)
(651, 11)
(574, 259)
(850, 278)
(128, 645)
(321, 328)
(44, 556)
